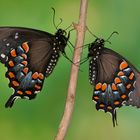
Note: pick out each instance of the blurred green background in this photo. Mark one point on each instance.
(39, 119)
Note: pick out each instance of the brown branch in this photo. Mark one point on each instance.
(80, 28)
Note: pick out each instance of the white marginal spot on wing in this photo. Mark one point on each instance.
(26, 97)
(8, 44)
(16, 35)
(3, 55)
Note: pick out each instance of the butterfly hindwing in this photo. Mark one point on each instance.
(134, 98)
(24, 79)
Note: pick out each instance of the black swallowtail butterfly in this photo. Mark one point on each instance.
(115, 80)
(30, 55)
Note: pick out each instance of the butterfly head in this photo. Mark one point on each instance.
(99, 42)
(96, 46)
(61, 32)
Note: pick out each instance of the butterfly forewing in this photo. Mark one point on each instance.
(11, 37)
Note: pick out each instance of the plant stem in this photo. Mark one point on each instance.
(69, 106)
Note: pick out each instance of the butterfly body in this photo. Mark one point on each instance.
(30, 56)
(112, 77)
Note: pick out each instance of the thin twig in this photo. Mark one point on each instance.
(80, 28)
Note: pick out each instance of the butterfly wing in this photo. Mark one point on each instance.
(114, 80)
(11, 37)
(134, 98)
(27, 52)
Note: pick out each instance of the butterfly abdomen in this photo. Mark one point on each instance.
(52, 63)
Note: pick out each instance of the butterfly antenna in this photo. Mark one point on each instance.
(54, 18)
(91, 32)
(107, 40)
(69, 27)
(61, 20)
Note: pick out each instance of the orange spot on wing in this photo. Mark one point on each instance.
(116, 103)
(102, 105)
(98, 86)
(13, 53)
(41, 76)
(104, 86)
(109, 108)
(28, 92)
(35, 75)
(15, 83)
(120, 73)
(11, 63)
(96, 97)
(25, 47)
(117, 80)
(114, 87)
(128, 86)
(37, 87)
(123, 65)
(24, 63)
(123, 96)
(131, 76)
(19, 92)
(11, 75)
(25, 70)
(24, 56)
